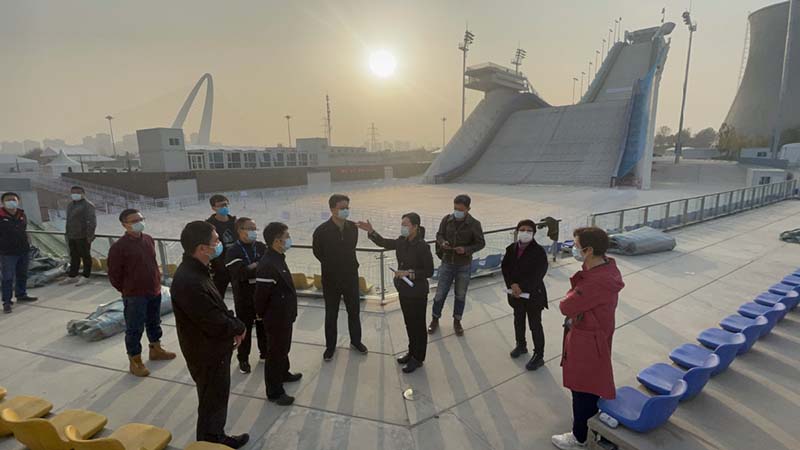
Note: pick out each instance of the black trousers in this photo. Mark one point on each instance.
(526, 310)
(213, 382)
(277, 365)
(584, 407)
(221, 280)
(246, 312)
(414, 314)
(80, 250)
(334, 292)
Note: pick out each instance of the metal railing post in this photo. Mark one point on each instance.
(646, 210)
(685, 212)
(622, 221)
(666, 216)
(716, 206)
(702, 208)
(163, 258)
(383, 277)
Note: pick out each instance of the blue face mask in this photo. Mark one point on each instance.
(287, 244)
(344, 213)
(252, 235)
(459, 214)
(405, 231)
(217, 250)
(576, 253)
(224, 211)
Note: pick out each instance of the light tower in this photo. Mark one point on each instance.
(444, 119)
(109, 118)
(583, 74)
(574, 82)
(328, 119)
(469, 38)
(604, 46)
(373, 134)
(687, 19)
(609, 39)
(289, 128)
(518, 57)
(596, 57)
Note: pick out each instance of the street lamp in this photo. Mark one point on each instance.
(574, 81)
(596, 57)
(619, 31)
(609, 39)
(109, 118)
(289, 128)
(469, 38)
(604, 46)
(616, 23)
(583, 74)
(589, 76)
(444, 119)
(687, 19)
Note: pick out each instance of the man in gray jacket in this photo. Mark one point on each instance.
(81, 223)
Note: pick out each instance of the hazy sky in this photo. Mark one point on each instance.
(68, 63)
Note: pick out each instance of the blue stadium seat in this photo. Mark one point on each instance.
(491, 262)
(769, 299)
(476, 264)
(737, 323)
(783, 289)
(791, 280)
(753, 310)
(714, 337)
(690, 356)
(640, 412)
(661, 378)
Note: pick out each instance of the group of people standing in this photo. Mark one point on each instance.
(225, 250)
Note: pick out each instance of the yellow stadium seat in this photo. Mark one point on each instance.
(96, 264)
(171, 268)
(318, 281)
(2, 392)
(301, 281)
(363, 286)
(25, 407)
(48, 434)
(206, 446)
(104, 264)
(133, 436)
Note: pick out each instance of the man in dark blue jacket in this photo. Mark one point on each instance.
(14, 250)
(276, 305)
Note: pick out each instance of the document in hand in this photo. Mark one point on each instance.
(406, 279)
(523, 295)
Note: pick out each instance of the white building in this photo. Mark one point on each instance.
(63, 164)
(17, 164)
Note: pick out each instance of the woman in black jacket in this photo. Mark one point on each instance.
(415, 266)
(524, 267)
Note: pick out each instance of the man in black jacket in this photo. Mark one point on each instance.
(241, 260)
(460, 236)
(334, 245)
(224, 224)
(276, 305)
(207, 332)
(14, 250)
(81, 223)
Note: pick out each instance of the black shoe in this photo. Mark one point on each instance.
(262, 357)
(433, 326)
(536, 361)
(27, 298)
(244, 366)
(412, 365)
(235, 441)
(404, 359)
(328, 355)
(7, 308)
(518, 351)
(283, 400)
(457, 326)
(292, 377)
(360, 348)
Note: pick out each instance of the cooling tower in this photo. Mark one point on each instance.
(755, 106)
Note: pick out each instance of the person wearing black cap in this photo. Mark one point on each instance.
(414, 267)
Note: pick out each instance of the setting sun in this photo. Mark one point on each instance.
(382, 63)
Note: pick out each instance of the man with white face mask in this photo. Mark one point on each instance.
(133, 270)
(14, 249)
(524, 267)
(81, 223)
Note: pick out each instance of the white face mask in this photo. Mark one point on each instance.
(10, 204)
(75, 197)
(459, 214)
(137, 227)
(405, 231)
(525, 236)
(577, 254)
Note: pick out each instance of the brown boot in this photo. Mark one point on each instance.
(137, 366)
(433, 326)
(157, 353)
(457, 327)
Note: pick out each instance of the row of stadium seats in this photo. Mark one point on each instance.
(73, 429)
(720, 346)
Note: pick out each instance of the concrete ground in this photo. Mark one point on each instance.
(470, 394)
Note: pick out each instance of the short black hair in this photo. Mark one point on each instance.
(593, 237)
(125, 213)
(273, 231)
(9, 194)
(462, 199)
(77, 188)
(194, 234)
(216, 198)
(526, 222)
(336, 198)
(413, 218)
(239, 223)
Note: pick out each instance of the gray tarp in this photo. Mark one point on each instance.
(109, 320)
(641, 241)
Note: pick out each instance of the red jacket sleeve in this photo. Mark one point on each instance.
(116, 267)
(580, 299)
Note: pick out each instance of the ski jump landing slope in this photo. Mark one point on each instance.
(605, 138)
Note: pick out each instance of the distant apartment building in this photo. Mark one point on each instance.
(12, 148)
(54, 143)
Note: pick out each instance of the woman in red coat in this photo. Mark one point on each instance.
(589, 309)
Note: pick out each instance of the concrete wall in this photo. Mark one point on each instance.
(143, 183)
(182, 188)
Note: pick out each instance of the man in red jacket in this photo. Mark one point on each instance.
(589, 308)
(132, 270)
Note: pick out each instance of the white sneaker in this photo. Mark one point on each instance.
(82, 281)
(567, 441)
(67, 281)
